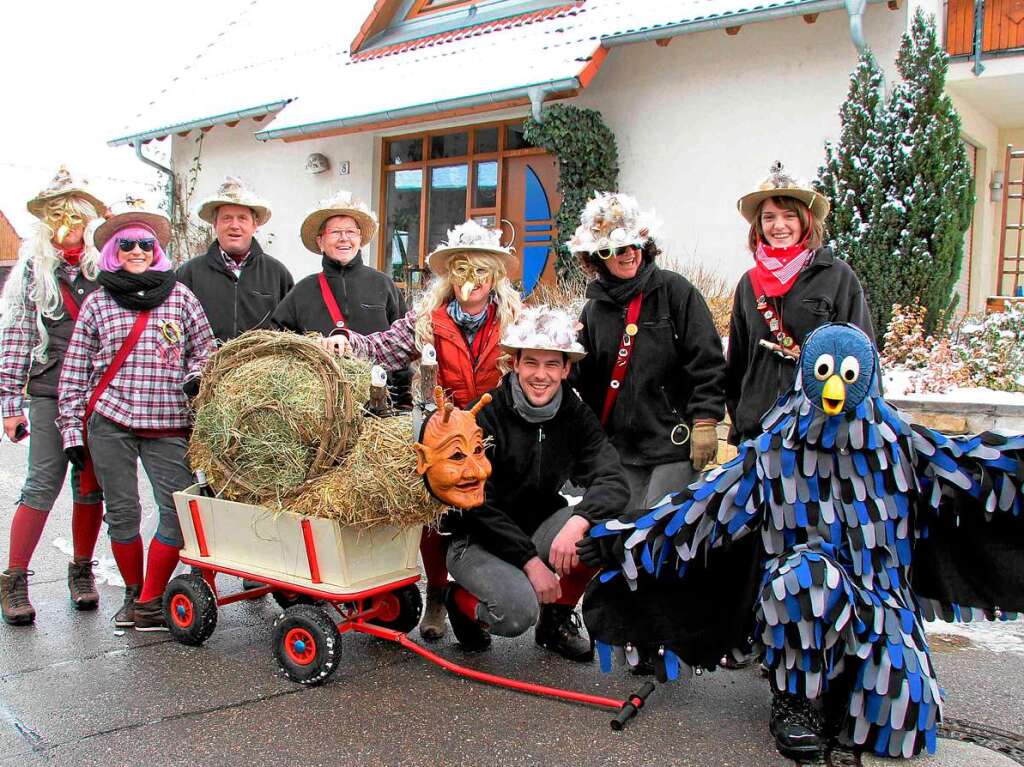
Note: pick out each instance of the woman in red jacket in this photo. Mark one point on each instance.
(462, 313)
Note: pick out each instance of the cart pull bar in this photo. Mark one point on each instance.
(314, 566)
(632, 706)
(197, 525)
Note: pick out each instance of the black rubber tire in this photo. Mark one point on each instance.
(410, 609)
(307, 624)
(190, 609)
(286, 599)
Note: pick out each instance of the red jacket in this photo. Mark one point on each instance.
(463, 379)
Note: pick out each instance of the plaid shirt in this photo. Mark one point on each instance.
(16, 343)
(235, 267)
(146, 392)
(393, 348)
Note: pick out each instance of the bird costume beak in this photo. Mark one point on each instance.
(833, 396)
(466, 289)
(62, 232)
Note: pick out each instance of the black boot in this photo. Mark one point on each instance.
(470, 633)
(558, 630)
(797, 726)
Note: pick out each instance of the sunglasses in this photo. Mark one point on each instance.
(605, 253)
(127, 246)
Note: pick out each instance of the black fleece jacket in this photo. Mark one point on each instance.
(369, 300)
(827, 290)
(530, 463)
(232, 305)
(676, 374)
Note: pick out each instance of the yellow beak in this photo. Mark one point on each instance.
(62, 232)
(467, 288)
(833, 396)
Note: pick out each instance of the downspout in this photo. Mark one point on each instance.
(170, 188)
(855, 10)
(537, 100)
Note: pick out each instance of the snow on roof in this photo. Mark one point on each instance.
(287, 58)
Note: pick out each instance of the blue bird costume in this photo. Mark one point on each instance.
(867, 525)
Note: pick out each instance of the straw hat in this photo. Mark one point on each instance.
(341, 204)
(470, 238)
(133, 211)
(781, 184)
(234, 192)
(545, 328)
(63, 184)
(611, 220)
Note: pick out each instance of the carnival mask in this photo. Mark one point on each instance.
(465, 273)
(450, 455)
(62, 217)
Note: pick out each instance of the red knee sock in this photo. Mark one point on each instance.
(26, 529)
(574, 584)
(433, 548)
(86, 519)
(129, 560)
(465, 601)
(159, 566)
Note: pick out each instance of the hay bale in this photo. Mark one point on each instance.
(275, 411)
(376, 484)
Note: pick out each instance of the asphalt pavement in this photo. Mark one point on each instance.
(73, 691)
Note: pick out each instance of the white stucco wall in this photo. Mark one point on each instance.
(699, 122)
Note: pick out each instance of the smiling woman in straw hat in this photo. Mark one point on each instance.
(56, 270)
(346, 295)
(139, 344)
(794, 286)
(462, 313)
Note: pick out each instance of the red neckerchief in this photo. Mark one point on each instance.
(777, 268)
(73, 254)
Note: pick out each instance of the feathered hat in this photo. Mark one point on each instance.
(611, 220)
(545, 328)
(470, 238)
(234, 192)
(63, 184)
(781, 184)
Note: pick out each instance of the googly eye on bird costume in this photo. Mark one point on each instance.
(838, 368)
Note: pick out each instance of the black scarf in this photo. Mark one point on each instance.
(622, 291)
(138, 292)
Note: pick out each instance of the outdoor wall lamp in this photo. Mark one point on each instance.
(996, 187)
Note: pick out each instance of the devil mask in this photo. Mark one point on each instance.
(450, 454)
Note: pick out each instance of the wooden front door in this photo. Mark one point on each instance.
(530, 200)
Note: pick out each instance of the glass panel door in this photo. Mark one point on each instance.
(402, 222)
(446, 206)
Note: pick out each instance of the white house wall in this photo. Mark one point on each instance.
(699, 122)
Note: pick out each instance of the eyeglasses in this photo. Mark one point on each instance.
(146, 246)
(346, 234)
(605, 253)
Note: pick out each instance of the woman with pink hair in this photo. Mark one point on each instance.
(135, 357)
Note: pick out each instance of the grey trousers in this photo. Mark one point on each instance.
(115, 455)
(649, 484)
(508, 603)
(47, 464)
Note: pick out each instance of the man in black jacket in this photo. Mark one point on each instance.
(346, 294)
(514, 559)
(238, 285)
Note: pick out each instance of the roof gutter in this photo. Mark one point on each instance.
(205, 122)
(535, 93)
(736, 19)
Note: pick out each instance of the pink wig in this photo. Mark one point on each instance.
(109, 261)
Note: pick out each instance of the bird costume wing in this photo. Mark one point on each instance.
(969, 556)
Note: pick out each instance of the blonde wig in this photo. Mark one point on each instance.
(32, 285)
(440, 291)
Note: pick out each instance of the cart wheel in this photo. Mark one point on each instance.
(286, 599)
(190, 609)
(307, 644)
(401, 609)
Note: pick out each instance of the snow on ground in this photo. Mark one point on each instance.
(897, 380)
(996, 636)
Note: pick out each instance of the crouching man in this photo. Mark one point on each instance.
(514, 559)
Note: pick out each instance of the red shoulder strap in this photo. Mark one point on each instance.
(772, 315)
(70, 305)
(332, 305)
(625, 352)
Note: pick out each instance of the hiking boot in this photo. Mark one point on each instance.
(82, 584)
(125, 617)
(17, 610)
(797, 726)
(149, 615)
(432, 625)
(559, 630)
(470, 633)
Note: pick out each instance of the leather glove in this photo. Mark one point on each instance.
(703, 444)
(595, 552)
(76, 456)
(191, 387)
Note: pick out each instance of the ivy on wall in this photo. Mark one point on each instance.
(588, 161)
